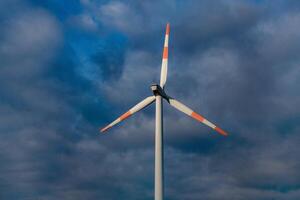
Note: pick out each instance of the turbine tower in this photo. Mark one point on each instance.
(158, 95)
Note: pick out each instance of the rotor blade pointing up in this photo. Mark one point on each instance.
(133, 110)
(164, 64)
(183, 108)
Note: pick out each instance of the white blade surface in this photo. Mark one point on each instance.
(164, 64)
(130, 112)
(183, 108)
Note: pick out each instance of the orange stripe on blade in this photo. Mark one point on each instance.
(168, 29)
(165, 53)
(221, 131)
(197, 116)
(125, 115)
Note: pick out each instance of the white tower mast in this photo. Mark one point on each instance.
(159, 148)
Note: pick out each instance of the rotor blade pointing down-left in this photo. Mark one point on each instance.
(130, 112)
(164, 64)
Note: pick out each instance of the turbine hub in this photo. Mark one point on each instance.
(157, 90)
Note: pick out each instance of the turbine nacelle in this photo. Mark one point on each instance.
(157, 90)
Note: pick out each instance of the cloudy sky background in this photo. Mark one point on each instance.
(70, 67)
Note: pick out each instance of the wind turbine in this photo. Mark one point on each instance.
(159, 94)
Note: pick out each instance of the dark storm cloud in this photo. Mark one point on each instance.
(233, 61)
(110, 57)
(38, 93)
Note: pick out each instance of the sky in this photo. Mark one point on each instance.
(67, 68)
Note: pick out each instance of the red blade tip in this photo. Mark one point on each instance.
(168, 29)
(104, 129)
(221, 131)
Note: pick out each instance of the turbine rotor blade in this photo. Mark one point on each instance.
(183, 108)
(164, 64)
(147, 101)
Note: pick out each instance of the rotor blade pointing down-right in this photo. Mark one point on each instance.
(183, 108)
(164, 64)
(133, 110)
